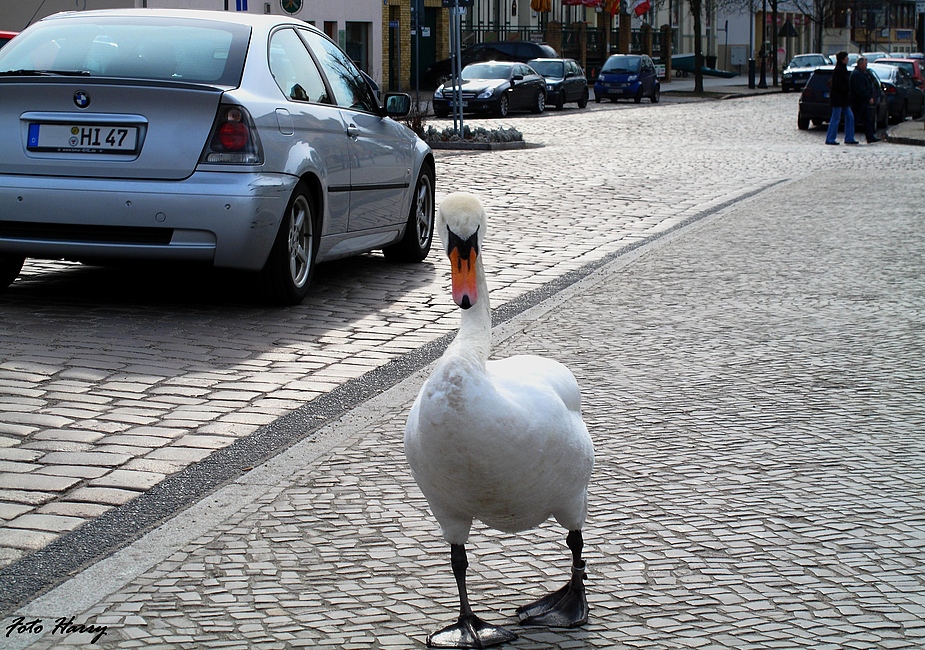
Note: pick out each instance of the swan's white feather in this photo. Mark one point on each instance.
(500, 441)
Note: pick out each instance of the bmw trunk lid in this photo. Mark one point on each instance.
(100, 128)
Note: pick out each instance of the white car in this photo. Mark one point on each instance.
(798, 71)
(239, 140)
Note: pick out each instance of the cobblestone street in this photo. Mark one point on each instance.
(752, 381)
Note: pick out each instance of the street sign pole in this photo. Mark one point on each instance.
(458, 101)
(457, 10)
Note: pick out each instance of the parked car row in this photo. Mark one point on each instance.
(900, 98)
(798, 71)
(499, 87)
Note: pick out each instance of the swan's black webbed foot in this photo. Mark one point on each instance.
(567, 607)
(470, 632)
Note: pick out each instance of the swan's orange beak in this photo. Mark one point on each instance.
(465, 287)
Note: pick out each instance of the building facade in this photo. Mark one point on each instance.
(395, 40)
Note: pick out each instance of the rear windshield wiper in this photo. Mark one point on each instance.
(45, 73)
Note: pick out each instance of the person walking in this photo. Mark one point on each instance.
(839, 98)
(861, 92)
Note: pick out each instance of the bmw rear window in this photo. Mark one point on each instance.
(135, 47)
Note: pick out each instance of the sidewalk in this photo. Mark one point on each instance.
(908, 132)
(752, 384)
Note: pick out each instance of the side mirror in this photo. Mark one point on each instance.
(517, 77)
(397, 104)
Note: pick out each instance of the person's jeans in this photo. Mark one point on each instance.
(832, 133)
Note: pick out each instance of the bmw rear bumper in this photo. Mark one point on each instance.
(227, 219)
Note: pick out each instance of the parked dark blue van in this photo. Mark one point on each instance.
(627, 76)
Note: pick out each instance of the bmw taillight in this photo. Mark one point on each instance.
(234, 138)
(889, 89)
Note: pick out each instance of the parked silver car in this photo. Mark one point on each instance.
(798, 71)
(243, 141)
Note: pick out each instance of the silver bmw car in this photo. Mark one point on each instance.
(243, 141)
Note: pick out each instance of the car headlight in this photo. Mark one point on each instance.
(438, 94)
(485, 94)
(633, 77)
(552, 87)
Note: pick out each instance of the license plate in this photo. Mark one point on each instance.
(465, 104)
(83, 138)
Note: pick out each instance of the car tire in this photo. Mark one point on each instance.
(597, 99)
(638, 97)
(583, 102)
(503, 107)
(784, 89)
(539, 104)
(419, 231)
(802, 123)
(441, 113)
(560, 102)
(656, 94)
(10, 266)
(288, 271)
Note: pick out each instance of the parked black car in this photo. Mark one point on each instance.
(814, 100)
(903, 97)
(496, 87)
(521, 51)
(565, 81)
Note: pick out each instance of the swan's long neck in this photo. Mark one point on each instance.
(474, 337)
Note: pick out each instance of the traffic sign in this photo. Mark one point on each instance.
(291, 6)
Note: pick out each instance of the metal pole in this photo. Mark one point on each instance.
(728, 63)
(459, 67)
(763, 83)
(453, 71)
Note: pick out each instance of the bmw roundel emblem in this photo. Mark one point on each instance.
(81, 99)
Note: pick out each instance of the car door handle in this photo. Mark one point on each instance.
(353, 131)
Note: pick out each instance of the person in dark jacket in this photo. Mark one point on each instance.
(862, 99)
(839, 97)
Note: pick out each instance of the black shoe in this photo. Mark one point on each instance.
(835, 143)
(852, 142)
(873, 140)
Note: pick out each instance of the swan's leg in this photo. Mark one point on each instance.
(469, 631)
(567, 607)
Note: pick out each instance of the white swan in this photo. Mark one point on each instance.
(499, 441)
